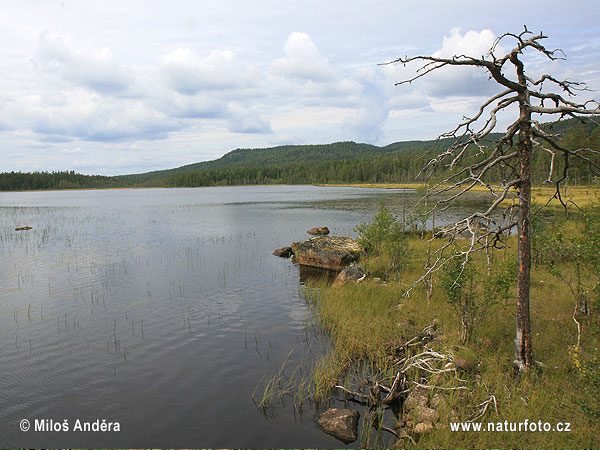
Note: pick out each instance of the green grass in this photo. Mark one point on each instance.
(367, 321)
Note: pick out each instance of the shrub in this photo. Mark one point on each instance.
(472, 297)
(588, 367)
(573, 256)
(385, 234)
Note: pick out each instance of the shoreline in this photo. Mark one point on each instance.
(581, 195)
(371, 326)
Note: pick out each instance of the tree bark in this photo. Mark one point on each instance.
(521, 91)
(523, 347)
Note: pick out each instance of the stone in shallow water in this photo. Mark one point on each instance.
(349, 274)
(327, 252)
(340, 423)
(284, 252)
(321, 231)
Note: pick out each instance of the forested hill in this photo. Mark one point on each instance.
(289, 154)
(340, 162)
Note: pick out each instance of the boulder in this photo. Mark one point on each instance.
(284, 252)
(425, 415)
(419, 396)
(340, 423)
(349, 274)
(438, 402)
(320, 231)
(327, 252)
(424, 427)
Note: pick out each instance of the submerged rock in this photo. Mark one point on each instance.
(284, 252)
(327, 252)
(340, 423)
(349, 274)
(321, 231)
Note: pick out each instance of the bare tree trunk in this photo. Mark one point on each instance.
(487, 249)
(523, 348)
(521, 91)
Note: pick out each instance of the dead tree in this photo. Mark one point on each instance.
(473, 155)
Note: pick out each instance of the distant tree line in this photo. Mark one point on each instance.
(341, 162)
(382, 169)
(23, 181)
(401, 167)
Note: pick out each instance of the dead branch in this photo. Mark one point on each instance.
(483, 407)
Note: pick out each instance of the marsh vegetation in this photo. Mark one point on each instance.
(456, 334)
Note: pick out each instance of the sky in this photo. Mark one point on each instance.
(114, 87)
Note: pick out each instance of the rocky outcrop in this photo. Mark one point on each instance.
(327, 252)
(340, 423)
(352, 273)
(320, 231)
(284, 252)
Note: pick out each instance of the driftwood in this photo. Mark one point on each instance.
(427, 362)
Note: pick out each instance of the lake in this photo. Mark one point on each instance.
(162, 310)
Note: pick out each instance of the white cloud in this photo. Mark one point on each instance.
(72, 151)
(198, 106)
(302, 61)
(96, 70)
(78, 113)
(305, 77)
(242, 119)
(473, 43)
(188, 73)
(106, 77)
(365, 124)
(459, 81)
(463, 81)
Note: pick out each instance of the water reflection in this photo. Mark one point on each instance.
(316, 276)
(161, 309)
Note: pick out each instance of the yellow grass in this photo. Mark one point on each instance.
(366, 320)
(580, 195)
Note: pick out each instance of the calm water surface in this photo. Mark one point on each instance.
(161, 309)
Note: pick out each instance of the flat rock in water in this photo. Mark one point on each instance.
(349, 274)
(321, 231)
(327, 252)
(340, 423)
(284, 252)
